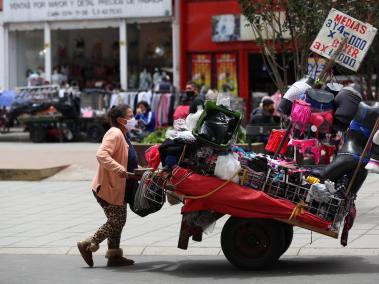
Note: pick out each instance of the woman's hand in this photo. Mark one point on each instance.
(123, 174)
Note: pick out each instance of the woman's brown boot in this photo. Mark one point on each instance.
(115, 258)
(86, 248)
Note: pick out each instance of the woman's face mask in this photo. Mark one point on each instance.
(130, 124)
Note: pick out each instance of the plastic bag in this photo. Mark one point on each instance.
(223, 100)
(218, 127)
(192, 119)
(152, 156)
(184, 136)
(227, 166)
(180, 125)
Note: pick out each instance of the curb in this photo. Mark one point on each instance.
(194, 251)
(29, 174)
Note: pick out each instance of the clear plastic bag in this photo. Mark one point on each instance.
(192, 119)
(227, 166)
(223, 99)
(180, 125)
(184, 136)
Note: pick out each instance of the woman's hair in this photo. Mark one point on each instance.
(116, 112)
(145, 104)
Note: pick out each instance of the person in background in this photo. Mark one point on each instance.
(4, 120)
(182, 110)
(164, 85)
(116, 158)
(263, 115)
(192, 93)
(145, 117)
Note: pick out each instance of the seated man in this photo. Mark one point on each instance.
(263, 115)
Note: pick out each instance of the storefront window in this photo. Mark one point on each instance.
(88, 57)
(28, 61)
(149, 54)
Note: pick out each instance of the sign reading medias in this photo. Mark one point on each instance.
(52, 10)
(337, 26)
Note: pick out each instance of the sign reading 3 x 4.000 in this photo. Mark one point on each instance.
(337, 26)
(49, 10)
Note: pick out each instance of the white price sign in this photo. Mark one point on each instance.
(337, 26)
(53, 10)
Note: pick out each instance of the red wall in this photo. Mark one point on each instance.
(196, 36)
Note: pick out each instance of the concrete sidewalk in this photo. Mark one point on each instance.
(80, 158)
(49, 217)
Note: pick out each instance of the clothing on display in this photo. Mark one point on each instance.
(145, 80)
(161, 104)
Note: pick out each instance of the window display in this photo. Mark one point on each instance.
(29, 54)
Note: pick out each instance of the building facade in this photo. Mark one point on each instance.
(217, 49)
(90, 42)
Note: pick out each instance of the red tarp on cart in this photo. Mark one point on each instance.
(235, 200)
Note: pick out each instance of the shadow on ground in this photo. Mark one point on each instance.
(221, 269)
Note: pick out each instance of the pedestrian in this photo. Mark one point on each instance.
(182, 110)
(264, 113)
(116, 156)
(192, 92)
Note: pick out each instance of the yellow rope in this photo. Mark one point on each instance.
(298, 210)
(244, 177)
(183, 153)
(214, 190)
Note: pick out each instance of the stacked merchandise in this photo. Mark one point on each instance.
(323, 199)
(205, 147)
(45, 100)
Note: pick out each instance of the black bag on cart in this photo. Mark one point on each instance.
(150, 195)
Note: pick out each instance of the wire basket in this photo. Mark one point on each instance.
(151, 192)
(279, 184)
(251, 178)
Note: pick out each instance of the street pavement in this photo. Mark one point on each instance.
(26, 269)
(50, 216)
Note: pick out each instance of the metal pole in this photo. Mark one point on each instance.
(123, 55)
(47, 51)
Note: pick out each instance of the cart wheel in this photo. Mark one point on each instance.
(252, 244)
(38, 134)
(288, 236)
(95, 132)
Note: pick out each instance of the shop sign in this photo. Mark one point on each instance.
(53, 10)
(337, 26)
(235, 27)
(226, 66)
(201, 69)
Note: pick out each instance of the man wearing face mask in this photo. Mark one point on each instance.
(193, 94)
(262, 115)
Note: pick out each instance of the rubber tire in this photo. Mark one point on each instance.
(37, 134)
(245, 256)
(288, 236)
(95, 133)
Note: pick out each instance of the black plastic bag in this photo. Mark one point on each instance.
(218, 127)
